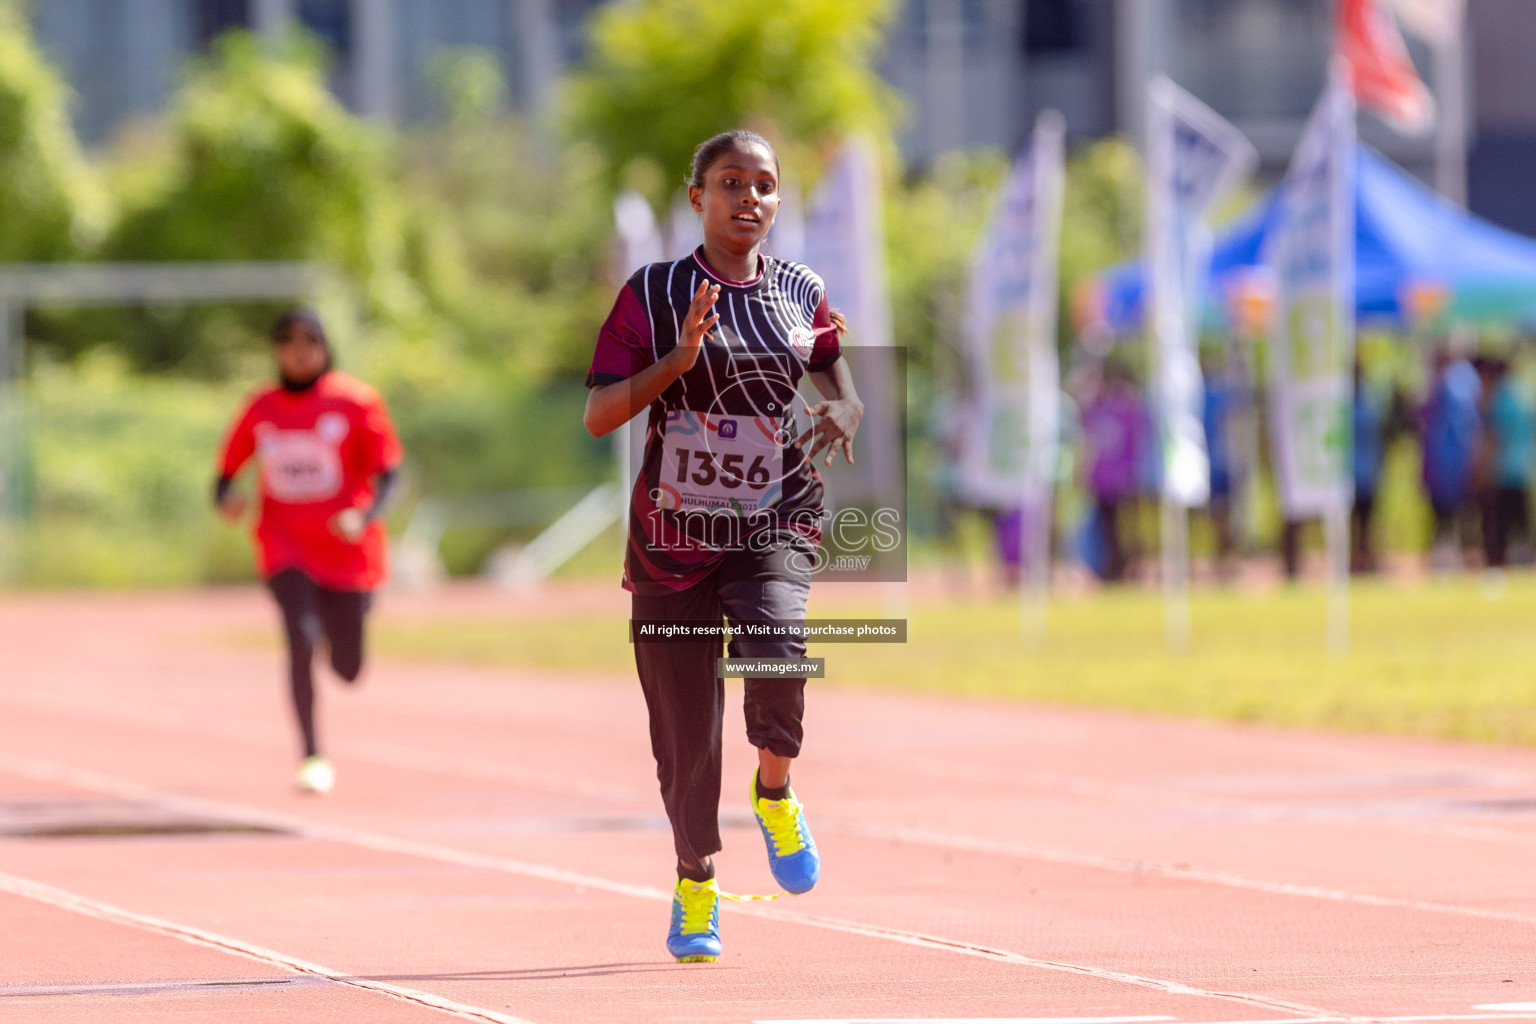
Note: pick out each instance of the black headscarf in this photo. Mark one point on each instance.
(310, 321)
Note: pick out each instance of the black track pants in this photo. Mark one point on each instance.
(685, 696)
(311, 612)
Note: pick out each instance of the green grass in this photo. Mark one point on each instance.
(1442, 659)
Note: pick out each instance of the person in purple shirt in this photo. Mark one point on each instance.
(1115, 428)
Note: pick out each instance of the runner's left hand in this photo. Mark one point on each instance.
(833, 425)
(349, 524)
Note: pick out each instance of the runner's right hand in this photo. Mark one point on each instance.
(697, 325)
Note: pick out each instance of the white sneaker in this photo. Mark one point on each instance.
(316, 775)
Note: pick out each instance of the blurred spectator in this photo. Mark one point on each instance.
(1226, 405)
(1014, 527)
(1451, 432)
(1510, 444)
(1115, 428)
(950, 421)
(1370, 423)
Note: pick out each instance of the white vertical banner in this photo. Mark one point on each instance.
(1312, 252)
(684, 232)
(1009, 459)
(845, 242)
(1195, 158)
(639, 242)
(843, 238)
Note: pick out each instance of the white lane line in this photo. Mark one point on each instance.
(1379, 1020)
(65, 900)
(970, 1020)
(390, 755)
(1221, 878)
(1426, 1019)
(393, 756)
(26, 990)
(91, 780)
(1506, 1007)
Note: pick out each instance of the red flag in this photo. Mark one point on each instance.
(1384, 78)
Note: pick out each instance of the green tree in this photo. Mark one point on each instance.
(49, 205)
(1101, 216)
(266, 164)
(256, 160)
(515, 238)
(663, 75)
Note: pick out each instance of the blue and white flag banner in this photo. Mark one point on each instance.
(842, 237)
(844, 240)
(1014, 403)
(1195, 158)
(1312, 349)
(640, 240)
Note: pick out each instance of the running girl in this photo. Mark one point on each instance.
(725, 513)
(328, 457)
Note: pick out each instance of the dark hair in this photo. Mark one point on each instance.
(713, 148)
(303, 317)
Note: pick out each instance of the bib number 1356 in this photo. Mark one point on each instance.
(719, 462)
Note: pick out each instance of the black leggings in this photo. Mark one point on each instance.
(310, 612)
(685, 696)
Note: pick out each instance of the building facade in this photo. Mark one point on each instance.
(973, 72)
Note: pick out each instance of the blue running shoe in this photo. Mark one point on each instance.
(695, 933)
(792, 855)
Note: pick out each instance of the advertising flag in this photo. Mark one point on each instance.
(1437, 22)
(640, 239)
(1194, 160)
(844, 239)
(1312, 350)
(1380, 69)
(1010, 450)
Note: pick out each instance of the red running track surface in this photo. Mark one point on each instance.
(495, 851)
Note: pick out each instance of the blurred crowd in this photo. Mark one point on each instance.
(1469, 419)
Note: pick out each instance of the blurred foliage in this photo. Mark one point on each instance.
(119, 471)
(256, 160)
(664, 75)
(50, 206)
(1101, 213)
(514, 241)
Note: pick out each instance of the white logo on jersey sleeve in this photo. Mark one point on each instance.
(802, 340)
(301, 466)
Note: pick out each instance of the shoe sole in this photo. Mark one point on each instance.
(696, 959)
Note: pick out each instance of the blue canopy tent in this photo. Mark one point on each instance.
(1406, 237)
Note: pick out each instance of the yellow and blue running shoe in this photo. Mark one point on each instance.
(695, 933)
(792, 855)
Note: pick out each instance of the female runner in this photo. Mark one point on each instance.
(725, 513)
(328, 458)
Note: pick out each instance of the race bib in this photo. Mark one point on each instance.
(302, 466)
(729, 463)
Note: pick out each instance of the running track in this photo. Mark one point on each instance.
(495, 852)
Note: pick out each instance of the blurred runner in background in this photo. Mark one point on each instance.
(328, 457)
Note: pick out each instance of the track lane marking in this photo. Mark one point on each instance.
(27, 888)
(91, 780)
(393, 756)
(970, 1020)
(1070, 858)
(1424, 1019)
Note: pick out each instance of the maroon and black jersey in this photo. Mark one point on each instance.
(721, 462)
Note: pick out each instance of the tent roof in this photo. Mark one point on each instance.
(1405, 235)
